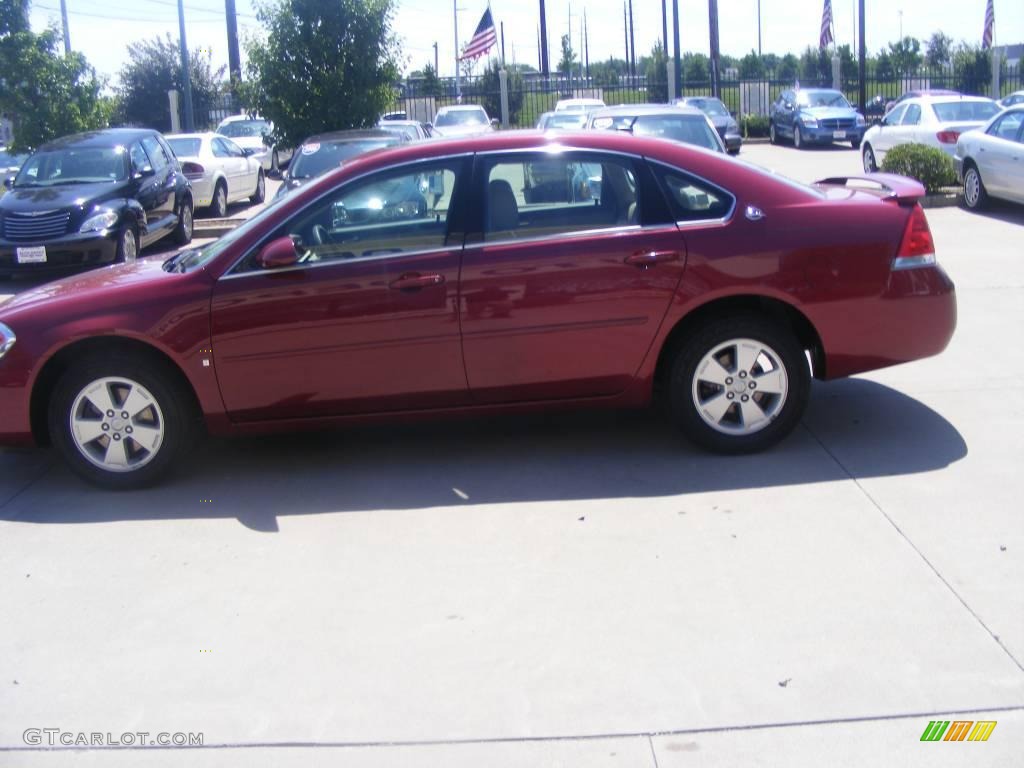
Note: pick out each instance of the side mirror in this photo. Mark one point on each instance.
(789, 107)
(284, 175)
(494, 122)
(248, 151)
(9, 182)
(277, 254)
(144, 172)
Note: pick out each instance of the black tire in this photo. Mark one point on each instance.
(275, 164)
(177, 418)
(127, 244)
(868, 159)
(219, 203)
(715, 333)
(734, 152)
(183, 230)
(261, 189)
(974, 198)
(855, 143)
(772, 136)
(798, 139)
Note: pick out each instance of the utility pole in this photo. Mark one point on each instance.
(664, 28)
(569, 46)
(675, 42)
(862, 58)
(234, 60)
(436, 63)
(186, 81)
(544, 64)
(586, 44)
(64, 26)
(625, 33)
(632, 41)
(759, 28)
(503, 43)
(713, 28)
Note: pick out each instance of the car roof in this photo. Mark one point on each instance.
(817, 90)
(242, 118)
(355, 134)
(948, 99)
(646, 109)
(103, 138)
(398, 123)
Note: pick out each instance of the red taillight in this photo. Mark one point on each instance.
(947, 137)
(917, 248)
(192, 169)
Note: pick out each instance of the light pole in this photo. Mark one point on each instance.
(759, 28)
(186, 82)
(900, 14)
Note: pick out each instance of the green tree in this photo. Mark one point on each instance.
(939, 50)
(789, 66)
(153, 68)
(323, 66)
(972, 69)
(431, 85)
(696, 68)
(607, 73)
(45, 93)
(884, 70)
(905, 55)
(568, 62)
(816, 65)
(752, 66)
(490, 92)
(654, 66)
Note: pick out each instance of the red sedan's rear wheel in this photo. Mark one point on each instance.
(739, 384)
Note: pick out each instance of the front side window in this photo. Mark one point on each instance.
(543, 195)
(393, 213)
(912, 116)
(1008, 127)
(156, 153)
(692, 199)
(894, 117)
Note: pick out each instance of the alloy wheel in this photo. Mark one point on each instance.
(117, 424)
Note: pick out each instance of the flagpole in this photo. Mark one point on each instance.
(455, 15)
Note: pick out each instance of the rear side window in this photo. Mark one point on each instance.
(692, 199)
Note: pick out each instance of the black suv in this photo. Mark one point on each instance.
(91, 199)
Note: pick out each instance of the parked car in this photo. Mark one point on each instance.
(325, 152)
(875, 108)
(990, 161)
(412, 130)
(561, 121)
(1017, 97)
(578, 105)
(91, 199)
(715, 283)
(9, 166)
(220, 171)
(915, 94)
(814, 116)
(936, 121)
(663, 121)
(718, 113)
(254, 133)
(463, 120)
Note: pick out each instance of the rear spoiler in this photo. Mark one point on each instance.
(897, 188)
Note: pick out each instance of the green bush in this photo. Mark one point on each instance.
(929, 165)
(753, 126)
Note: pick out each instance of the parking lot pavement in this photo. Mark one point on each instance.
(806, 165)
(571, 590)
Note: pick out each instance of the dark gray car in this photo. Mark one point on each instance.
(719, 115)
(324, 152)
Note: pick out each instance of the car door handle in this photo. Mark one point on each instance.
(645, 259)
(413, 281)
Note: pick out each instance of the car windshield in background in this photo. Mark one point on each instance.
(461, 117)
(87, 165)
(185, 147)
(242, 128)
(954, 111)
(711, 107)
(566, 121)
(692, 129)
(315, 159)
(822, 99)
(408, 131)
(7, 160)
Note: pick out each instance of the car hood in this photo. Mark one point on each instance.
(42, 199)
(826, 113)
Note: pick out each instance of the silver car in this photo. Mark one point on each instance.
(991, 160)
(252, 133)
(221, 172)
(687, 125)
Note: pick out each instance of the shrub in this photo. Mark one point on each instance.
(752, 126)
(929, 165)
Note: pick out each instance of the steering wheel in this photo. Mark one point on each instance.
(319, 235)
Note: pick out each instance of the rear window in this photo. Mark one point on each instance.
(690, 129)
(315, 158)
(955, 111)
(185, 147)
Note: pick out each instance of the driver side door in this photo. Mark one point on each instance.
(366, 320)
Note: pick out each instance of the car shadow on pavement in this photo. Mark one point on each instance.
(853, 427)
(999, 210)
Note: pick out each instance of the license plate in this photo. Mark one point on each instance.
(838, 134)
(32, 255)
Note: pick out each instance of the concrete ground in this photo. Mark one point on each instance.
(576, 590)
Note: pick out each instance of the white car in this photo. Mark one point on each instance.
(221, 172)
(578, 105)
(936, 121)
(248, 133)
(1017, 97)
(462, 120)
(991, 161)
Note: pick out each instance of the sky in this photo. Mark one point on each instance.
(102, 29)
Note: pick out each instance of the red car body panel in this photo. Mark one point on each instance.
(507, 326)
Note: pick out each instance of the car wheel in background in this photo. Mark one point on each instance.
(219, 204)
(128, 244)
(183, 231)
(798, 139)
(738, 384)
(261, 189)
(120, 422)
(772, 137)
(870, 166)
(855, 143)
(975, 196)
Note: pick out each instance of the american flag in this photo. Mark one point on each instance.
(826, 25)
(990, 23)
(484, 37)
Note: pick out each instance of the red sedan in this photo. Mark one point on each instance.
(503, 272)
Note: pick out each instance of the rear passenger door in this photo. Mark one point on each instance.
(162, 217)
(568, 276)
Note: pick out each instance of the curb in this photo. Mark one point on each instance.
(949, 200)
(214, 227)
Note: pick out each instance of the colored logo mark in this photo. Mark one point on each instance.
(958, 730)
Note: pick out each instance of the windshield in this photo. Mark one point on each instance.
(954, 111)
(237, 129)
(822, 99)
(461, 117)
(407, 131)
(711, 107)
(566, 121)
(315, 158)
(8, 160)
(185, 147)
(84, 165)
(690, 129)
